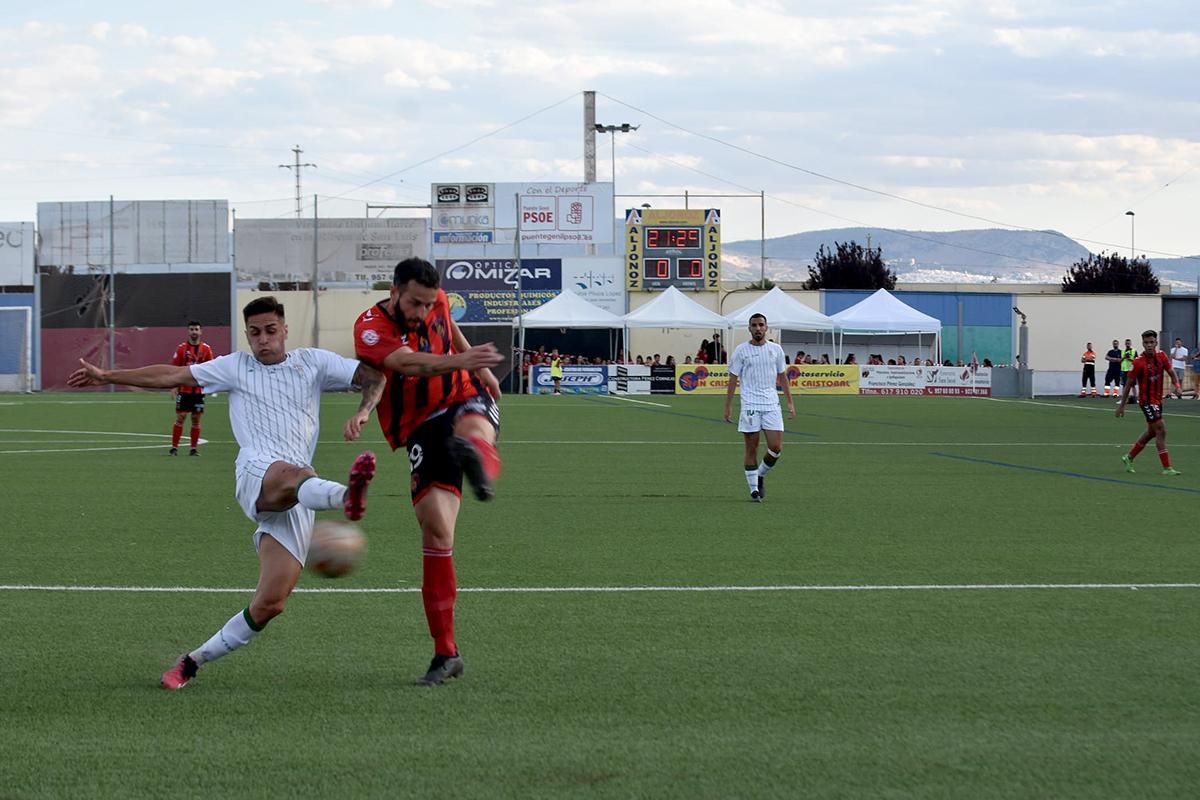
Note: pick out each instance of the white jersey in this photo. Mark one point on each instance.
(275, 408)
(757, 368)
(1179, 357)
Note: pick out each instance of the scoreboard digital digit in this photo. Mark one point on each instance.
(680, 248)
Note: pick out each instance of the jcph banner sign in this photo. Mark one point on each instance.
(496, 290)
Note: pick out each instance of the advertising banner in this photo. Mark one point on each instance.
(891, 380)
(486, 289)
(575, 380)
(958, 381)
(354, 250)
(631, 379)
(823, 378)
(662, 380)
(546, 213)
(17, 244)
(599, 280)
(463, 213)
(701, 378)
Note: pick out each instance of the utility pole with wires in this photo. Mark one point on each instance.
(296, 167)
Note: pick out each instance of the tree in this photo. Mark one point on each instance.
(1109, 273)
(763, 284)
(851, 266)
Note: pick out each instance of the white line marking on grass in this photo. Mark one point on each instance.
(923, 587)
(84, 433)
(631, 400)
(80, 449)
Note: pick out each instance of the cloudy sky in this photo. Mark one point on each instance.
(928, 114)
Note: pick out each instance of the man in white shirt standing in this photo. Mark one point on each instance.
(760, 366)
(1179, 355)
(274, 409)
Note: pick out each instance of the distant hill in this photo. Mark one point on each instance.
(960, 256)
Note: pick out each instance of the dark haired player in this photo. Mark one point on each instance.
(760, 365)
(189, 398)
(1147, 373)
(440, 405)
(274, 409)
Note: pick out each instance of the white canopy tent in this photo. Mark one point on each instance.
(782, 312)
(674, 309)
(881, 314)
(567, 310)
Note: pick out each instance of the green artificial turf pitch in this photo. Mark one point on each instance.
(918, 668)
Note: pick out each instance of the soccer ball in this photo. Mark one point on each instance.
(336, 548)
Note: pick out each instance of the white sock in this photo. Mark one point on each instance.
(236, 633)
(752, 479)
(319, 494)
(764, 467)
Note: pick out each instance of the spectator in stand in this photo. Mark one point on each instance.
(657, 362)
(1179, 355)
(824, 358)
(640, 360)
(850, 359)
(716, 353)
(670, 361)
(702, 353)
(687, 359)
(901, 361)
(799, 357)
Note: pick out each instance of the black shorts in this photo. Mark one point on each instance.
(1152, 411)
(429, 460)
(185, 402)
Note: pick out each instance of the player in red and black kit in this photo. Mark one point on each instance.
(440, 404)
(189, 398)
(1149, 371)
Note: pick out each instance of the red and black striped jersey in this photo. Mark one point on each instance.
(188, 354)
(410, 400)
(1150, 375)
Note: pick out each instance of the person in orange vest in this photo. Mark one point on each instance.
(1089, 371)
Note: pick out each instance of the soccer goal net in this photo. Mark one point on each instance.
(16, 349)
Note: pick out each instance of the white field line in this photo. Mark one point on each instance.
(123, 446)
(924, 587)
(631, 400)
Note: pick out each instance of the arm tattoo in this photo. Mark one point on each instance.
(372, 383)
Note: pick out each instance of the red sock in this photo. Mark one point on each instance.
(195, 436)
(438, 590)
(489, 456)
(176, 432)
(1165, 459)
(1137, 448)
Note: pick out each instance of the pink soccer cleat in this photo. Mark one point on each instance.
(178, 676)
(361, 473)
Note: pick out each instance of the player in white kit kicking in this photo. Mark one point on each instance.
(274, 408)
(759, 365)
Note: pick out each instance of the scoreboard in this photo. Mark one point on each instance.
(680, 248)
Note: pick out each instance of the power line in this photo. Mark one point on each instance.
(858, 186)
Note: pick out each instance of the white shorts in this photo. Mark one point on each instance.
(291, 528)
(753, 420)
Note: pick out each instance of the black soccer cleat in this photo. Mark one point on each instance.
(193, 452)
(762, 488)
(471, 461)
(755, 496)
(174, 451)
(442, 669)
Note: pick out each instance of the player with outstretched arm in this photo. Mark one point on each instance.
(274, 409)
(760, 366)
